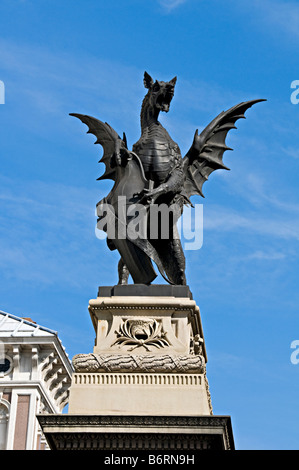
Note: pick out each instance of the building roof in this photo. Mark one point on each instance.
(11, 325)
(14, 328)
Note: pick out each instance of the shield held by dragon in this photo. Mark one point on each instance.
(154, 172)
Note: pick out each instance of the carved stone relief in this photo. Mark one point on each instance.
(130, 363)
(141, 332)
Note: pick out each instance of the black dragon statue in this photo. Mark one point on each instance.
(154, 173)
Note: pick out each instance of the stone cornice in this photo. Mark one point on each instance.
(67, 428)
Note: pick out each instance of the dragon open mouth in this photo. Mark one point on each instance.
(163, 101)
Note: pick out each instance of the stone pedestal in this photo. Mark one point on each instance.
(145, 378)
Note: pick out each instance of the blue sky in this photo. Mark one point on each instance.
(89, 56)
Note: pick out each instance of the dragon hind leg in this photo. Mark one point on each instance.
(123, 273)
(173, 259)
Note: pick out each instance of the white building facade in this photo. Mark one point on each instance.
(35, 376)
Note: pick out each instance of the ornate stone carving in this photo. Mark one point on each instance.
(3, 413)
(131, 363)
(196, 344)
(141, 332)
(136, 441)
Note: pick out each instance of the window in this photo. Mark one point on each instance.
(5, 365)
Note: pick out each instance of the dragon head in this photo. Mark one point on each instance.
(160, 94)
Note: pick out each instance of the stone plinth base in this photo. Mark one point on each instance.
(144, 385)
(141, 290)
(139, 394)
(137, 433)
(149, 356)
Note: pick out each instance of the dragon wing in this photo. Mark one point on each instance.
(206, 152)
(108, 138)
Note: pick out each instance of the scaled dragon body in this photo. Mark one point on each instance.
(155, 166)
